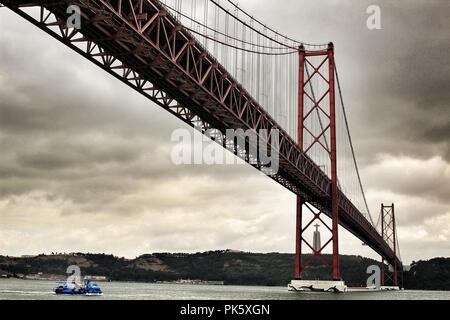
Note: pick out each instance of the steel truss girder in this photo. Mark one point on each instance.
(144, 46)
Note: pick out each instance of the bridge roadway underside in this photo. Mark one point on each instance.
(145, 47)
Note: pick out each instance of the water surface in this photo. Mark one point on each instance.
(42, 290)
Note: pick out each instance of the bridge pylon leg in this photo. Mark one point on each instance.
(318, 106)
(298, 240)
(395, 246)
(334, 188)
(299, 217)
(389, 234)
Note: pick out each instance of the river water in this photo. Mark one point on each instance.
(42, 290)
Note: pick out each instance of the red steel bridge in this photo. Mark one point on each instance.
(214, 66)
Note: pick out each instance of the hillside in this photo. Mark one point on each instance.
(433, 274)
(232, 267)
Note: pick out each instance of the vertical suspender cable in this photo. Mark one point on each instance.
(351, 145)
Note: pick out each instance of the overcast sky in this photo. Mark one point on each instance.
(85, 161)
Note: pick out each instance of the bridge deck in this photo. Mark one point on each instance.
(145, 47)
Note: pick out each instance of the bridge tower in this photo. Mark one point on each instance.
(317, 66)
(389, 234)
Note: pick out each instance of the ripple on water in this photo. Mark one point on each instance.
(42, 290)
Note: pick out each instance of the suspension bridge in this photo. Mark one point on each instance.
(215, 66)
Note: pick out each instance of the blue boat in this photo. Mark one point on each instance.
(89, 288)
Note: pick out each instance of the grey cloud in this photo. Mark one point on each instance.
(396, 81)
(90, 146)
(425, 179)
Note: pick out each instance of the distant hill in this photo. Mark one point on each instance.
(433, 274)
(230, 266)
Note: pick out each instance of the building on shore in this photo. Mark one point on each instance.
(96, 278)
(193, 282)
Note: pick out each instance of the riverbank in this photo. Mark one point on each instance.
(228, 267)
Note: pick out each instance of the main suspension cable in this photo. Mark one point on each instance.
(397, 246)
(221, 33)
(242, 49)
(249, 26)
(274, 31)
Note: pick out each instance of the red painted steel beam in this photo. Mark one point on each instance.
(395, 245)
(330, 150)
(334, 179)
(299, 216)
(388, 232)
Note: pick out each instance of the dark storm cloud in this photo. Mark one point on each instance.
(67, 131)
(396, 81)
(77, 140)
(76, 167)
(407, 95)
(429, 179)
